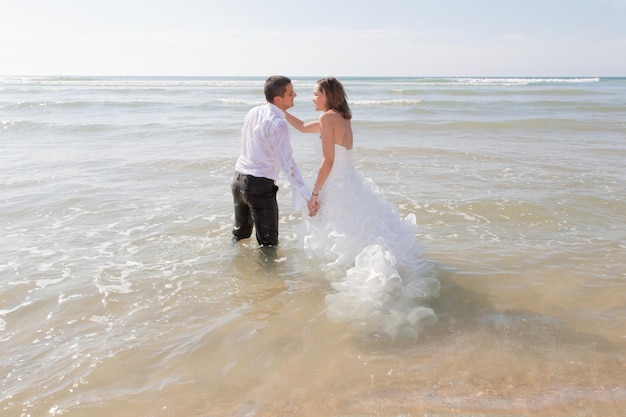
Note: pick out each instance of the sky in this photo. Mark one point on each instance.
(314, 38)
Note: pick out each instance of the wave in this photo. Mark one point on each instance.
(524, 81)
(478, 125)
(531, 123)
(136, 81)
(240, 102)
(390, 102)
(299, 81)
(68, 105)
(408, 82)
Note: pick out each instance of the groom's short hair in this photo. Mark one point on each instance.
(276, 85)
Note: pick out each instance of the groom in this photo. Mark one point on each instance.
(265, 150)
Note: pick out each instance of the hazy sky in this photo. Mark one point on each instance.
(323, 37)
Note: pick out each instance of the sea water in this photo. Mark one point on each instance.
(122, 295)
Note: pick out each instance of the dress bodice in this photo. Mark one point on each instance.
(343, 158)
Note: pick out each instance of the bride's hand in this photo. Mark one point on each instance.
(313, 205)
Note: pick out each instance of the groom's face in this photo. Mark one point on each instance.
(286, 101)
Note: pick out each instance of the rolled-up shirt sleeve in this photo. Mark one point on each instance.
(301, 193)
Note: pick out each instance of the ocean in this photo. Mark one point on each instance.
(122, 295)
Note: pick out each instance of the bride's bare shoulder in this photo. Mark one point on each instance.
(330, 116)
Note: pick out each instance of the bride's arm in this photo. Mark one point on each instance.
(328, 152)
(309, 127)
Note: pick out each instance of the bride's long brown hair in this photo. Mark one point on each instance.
(336, 98)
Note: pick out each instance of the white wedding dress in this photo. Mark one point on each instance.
(372, 256)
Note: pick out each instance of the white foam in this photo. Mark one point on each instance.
(392, 102)
(43, 283)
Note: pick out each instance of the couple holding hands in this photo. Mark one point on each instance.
(350, 223)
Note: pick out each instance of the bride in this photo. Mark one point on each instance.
(381, 280)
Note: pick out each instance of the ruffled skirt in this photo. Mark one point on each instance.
(371, 256)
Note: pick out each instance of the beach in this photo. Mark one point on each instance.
(122, 295)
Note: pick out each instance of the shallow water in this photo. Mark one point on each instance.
(120, 293)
